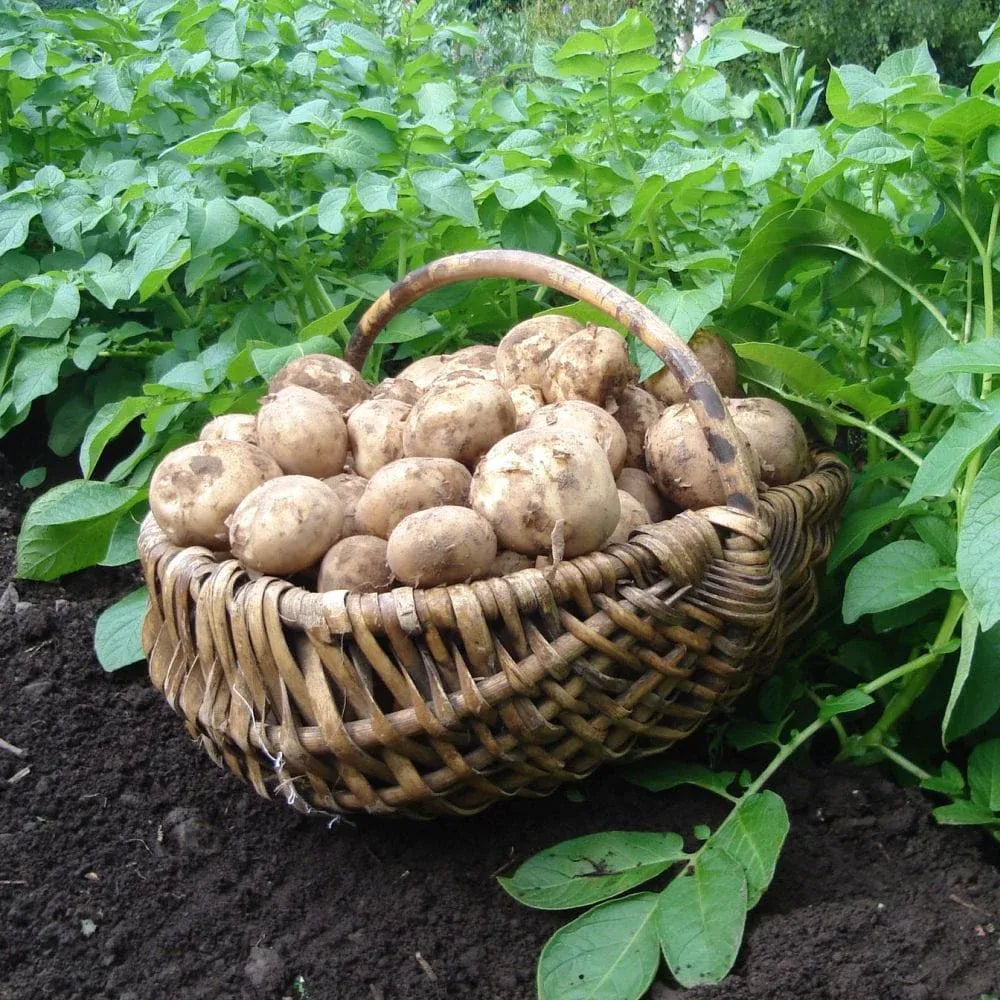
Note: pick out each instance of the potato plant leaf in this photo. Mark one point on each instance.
(662, 775)
(117, 631)
(978, 541)
(984, 775)
(754, 834)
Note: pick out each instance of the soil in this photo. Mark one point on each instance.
(131, 868)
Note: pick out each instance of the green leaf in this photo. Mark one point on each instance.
(269, 360)
(975, 693)
(978, 542)
(531, 228)
(376, 193)
(984, 775)
(965, 813)
(590, 869)
(108, 422)
(852, 700)
(754, 834)
(949, 782)
(966, 119)
(117, 640)
(33, 477)
(109, 89)
(211, 224)
(259, 210)
(896, 574)
(445, 191)
(662, 775)
(609, 953)
(330, 213)
(802, 373)
(685, 310)
(36, 373)
(222, 35)
(700, 919)
(155, 243)
(872, 145)
(15, 218)
(324, 325)
(858, 527)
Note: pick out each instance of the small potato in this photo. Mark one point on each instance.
(423, 371)
(591, 364)
(526, 399)
(585, 418)
(197, 486)
(508, 562)
(636, 412)
(460, 421)
(524, 350)
(285, 525)
(716, 357)
(231, 427)
(641, 486)
(775, 435)
(398, 388)
(375, 431)
(441, 546)
(304, 432)
(348, 488)
(547, 491)
(682, 465)
(329, 376)
(407, 485)
(633, 516)
(356, 563)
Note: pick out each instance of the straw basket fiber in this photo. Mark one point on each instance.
(424, 702)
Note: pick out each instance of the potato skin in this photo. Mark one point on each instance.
(398, 388)
(375, 431)
(524, 351)
(716, 357)
(526, 399)
(775, 435)
(304, 432)
(331, 377)
(640, 485)
(441, 546)
(348, 488)
(407, 485)
(476, 357)
(543, 489)
(355, 563)
(231, 427)
(633, 516)
(507, 562)
(197, 486)
(591, 364)
(636, 412)
(584, 418)
(423, 371)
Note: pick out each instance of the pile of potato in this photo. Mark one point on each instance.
(469, 465)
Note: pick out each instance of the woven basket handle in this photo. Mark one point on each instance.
(699, 389)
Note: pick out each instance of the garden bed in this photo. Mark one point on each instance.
(132, 868)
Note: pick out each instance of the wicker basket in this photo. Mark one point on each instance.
(423, 702)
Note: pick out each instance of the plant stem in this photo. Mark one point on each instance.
(900, 761)
(177, 307)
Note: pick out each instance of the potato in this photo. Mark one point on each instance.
(457, 376)
(477, 357)
(547, 491)
(526, 399)
(197, 486)
(356, 563)
(591, 364)
(329, 376)
(424, 370)
(285, 525)
(440, 546)
(585, 418)
(680, 462)
(716, 357)
(231, 427)
(640, 485)
(407, 485)
(398, 388)
(524, 350)
(460, 421)
(304, 432)
(636, 412)
(348, 488)
(633, 516)
(507, 562)
(775, 435)
(375, 432)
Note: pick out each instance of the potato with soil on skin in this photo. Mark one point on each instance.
(547, 492)
(304, 432)
(716, 357)
(633, 516)
(507, 562)
(331, 377)
(423, 371)
(231, 427)
(285, 525)
(355, 563)
(375, 433)
(527, 400)
(585, 418)
(681, 464)
(524, 351)
(477, 357)
(775, 435)
(398, 388)
(441, 546)
(591, 364)
(407, 485)
(348, 487)
(461, 420)
(197, 486)
(636, 412)
(640, 485)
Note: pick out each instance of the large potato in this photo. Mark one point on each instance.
(680, 462)
(636, 412)
(407, 485)
(356, 563)
(640, 485)
(591, 364)
(585, 418)
(440, 546)
(547, 491)
(716, 357)
(304, 432)
(775, 435)
(348, 488)
(375, 432)
(197, 486)
(524, 351)
(231, 427)
(329, 376)
(462, 421)
(285, 525)
(423, 371)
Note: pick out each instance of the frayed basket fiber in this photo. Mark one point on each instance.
(442, 701)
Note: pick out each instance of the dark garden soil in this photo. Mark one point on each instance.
(131, 868)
